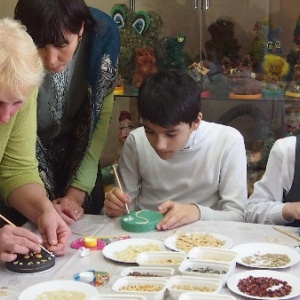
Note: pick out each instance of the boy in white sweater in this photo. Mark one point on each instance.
(178, 164)
(276, 197)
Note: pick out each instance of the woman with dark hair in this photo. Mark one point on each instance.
(79, 47)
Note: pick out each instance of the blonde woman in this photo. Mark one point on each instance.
(21, 72)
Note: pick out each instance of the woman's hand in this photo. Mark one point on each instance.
(115, 202)
(68, 209)
(17, 240)
(54, 231)
(69, 206)
(177, 214)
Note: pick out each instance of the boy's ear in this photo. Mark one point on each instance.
(198, 121)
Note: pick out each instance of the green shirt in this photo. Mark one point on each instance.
(87, 173)
(18, 164)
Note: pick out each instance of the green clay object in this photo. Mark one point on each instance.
(141, 221)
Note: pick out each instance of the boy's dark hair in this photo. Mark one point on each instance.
(168, 98)
(46, 20)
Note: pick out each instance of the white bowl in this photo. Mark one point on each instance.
(217, 270)
(117, 297)
(155, 272)
(190, 284)
(138, 283)
(213, 254)
(195, 296)
(169, 259)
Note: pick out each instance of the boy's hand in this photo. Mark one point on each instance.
(177, 214)
(291, 211)
(115, 202)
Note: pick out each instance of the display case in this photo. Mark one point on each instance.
(233, 39)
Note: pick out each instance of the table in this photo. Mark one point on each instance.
(71, 263)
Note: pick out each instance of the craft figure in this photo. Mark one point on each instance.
(222, 41)
(145, 64)
(137, 29)
(174, 52)
(275, 68)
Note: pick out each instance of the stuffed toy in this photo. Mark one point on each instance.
(145, 64)
(222, 43)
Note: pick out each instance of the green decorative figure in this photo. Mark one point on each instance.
(257, 48)
(293, 57)
(137, 29)
(174, 56)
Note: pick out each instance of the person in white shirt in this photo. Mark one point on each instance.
(276, 197)
(176, 163)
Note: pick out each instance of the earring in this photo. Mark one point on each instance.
(79, 39)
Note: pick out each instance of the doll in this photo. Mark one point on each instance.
(125, 127)
(292, 120)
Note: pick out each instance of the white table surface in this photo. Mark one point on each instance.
(90, 225)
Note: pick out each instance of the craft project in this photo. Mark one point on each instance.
(141, 221)
(31, 263)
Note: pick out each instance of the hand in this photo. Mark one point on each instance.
(177, 214)
(68, 209)
(54, 231)
(19, 240)
(291, 211)
(115, 202)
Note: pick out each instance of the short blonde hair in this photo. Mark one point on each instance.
(21, 68)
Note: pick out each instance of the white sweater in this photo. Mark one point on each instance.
(265, 204)
(210, 171)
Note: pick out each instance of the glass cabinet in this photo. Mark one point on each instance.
(230, 48)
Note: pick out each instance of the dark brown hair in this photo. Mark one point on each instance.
(46, 20)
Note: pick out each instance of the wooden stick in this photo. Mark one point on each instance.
(12, 224)
(294, 236)
(120, 186)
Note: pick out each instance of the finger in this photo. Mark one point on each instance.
(61, 247)
(69, 220)
(70, 215)
(171, 221)
(50, 236)
(5, 256)
(114, 211)
(115, 203)
(167, 205)
(26, 236)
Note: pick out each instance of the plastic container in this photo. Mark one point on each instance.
(118, 297)
(154, 272)
(213, 254)
(138, 284)
(206, 269)
(167, 259)
(178, 285)
(195, 296)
